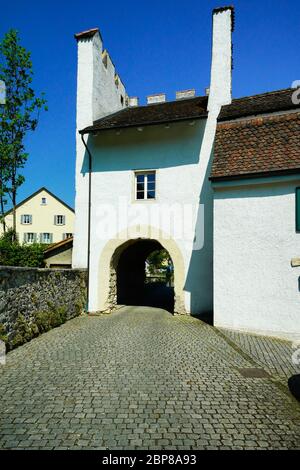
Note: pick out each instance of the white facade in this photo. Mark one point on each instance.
(181, 156)
(99, 92)
(255, 287)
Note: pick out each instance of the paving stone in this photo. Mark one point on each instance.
(143, 379)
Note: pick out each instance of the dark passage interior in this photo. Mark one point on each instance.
(139, 283)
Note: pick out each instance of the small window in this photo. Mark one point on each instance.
(59, 220)
(44, 201)
(66, 236)
(26, 219)
(29, 237)
(145, 185)
(46, 238)
(297, 209)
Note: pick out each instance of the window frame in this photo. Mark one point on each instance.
(42, 238)
(34, 238)
(63, 220)
(145, 173)
(44, 203)
(23, 217)
(66, 237)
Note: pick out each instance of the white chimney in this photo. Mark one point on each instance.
(158, 98)
(183, 95)
(221, 66)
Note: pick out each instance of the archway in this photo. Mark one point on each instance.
(143, 277)
(107, 298)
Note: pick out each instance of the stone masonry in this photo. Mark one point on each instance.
(26, 291)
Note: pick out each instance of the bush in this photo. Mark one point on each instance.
(3, 335)
(14, 254)
(23, 332)
(42, 322)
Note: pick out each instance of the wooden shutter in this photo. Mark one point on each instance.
(64, 220)
(51, 237)
(298, 209)
(22, 219)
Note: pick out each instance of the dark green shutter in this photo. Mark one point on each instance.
(298, 209)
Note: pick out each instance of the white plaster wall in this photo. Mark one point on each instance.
(255, 287)
(175, 154)
(182, 160)
(97, 96)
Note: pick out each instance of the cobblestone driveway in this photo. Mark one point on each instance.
(140, 379)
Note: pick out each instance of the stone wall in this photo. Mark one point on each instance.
(29, 292)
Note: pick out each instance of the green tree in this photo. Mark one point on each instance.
(18, 116)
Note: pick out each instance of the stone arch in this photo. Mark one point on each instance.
(110, 255)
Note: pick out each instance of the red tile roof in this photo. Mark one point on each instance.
(270, 102)
(257, 147)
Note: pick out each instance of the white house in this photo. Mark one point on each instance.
(146, 178)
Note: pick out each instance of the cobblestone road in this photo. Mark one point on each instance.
(141, 379)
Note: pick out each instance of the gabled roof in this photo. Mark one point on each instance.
(191, 108)
(270, 102)
(58, 247)
(262, 146)
(35, 194)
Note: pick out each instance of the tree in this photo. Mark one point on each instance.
(18, 116)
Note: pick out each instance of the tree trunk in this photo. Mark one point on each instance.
(2, 213)
(14, 200)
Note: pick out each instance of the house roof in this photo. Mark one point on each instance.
(35, 194)
(58, 247)
(274, 101)
(87, 34)
(191, 108)
(262, 146)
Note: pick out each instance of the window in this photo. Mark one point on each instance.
(44, 201)
(297, 209)
(29, 237)
(145, 185)
(59, 220)
(66, 236)
(46, 238)
(26, 219)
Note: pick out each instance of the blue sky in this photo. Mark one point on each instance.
(156, 45)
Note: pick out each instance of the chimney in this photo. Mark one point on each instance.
(183, 95)
(159, 98)
(133, 101)
(221, 65)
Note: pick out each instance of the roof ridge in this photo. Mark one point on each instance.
(28, 198)
(262, 94)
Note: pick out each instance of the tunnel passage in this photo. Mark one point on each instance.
(134, 287)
